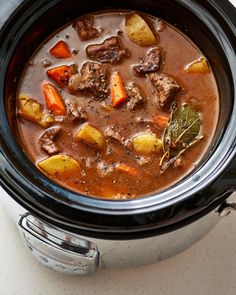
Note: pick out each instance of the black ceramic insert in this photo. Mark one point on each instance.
(211, 25)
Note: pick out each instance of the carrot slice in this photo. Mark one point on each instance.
(160, 120)
(122, 167)
(60, 50)
(60, 75)
(53, 100)
(118, 93)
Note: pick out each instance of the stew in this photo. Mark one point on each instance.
(117, 105)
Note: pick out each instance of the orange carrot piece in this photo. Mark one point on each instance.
(60, 50)
(118, 93)
(53, 100)
(60, 75)
(122, 167)
(160, 120)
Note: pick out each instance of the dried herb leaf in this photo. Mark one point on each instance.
(182, 131)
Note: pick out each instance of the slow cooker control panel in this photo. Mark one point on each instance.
(57, 249)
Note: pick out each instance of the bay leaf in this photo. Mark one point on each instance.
(182, 131)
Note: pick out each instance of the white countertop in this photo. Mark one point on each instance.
(207, 268)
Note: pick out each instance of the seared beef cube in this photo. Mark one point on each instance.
(112, 133)
(135, 96)
(47, 140)
(150, 63)
(110, 51)
(76, 112)
(164, 88)
(92, 81)
(85, 28)
(75, 82)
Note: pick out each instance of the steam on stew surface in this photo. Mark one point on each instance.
(117, 105)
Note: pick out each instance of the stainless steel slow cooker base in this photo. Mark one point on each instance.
(65, 252)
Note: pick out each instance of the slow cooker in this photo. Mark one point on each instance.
(75, 234)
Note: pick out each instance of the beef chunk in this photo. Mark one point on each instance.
(47, 140)
(92, 81)
(75, 84)
(164, 88)
(135, 96)
(150, 63)
(114, 134)
(76, 112)
(85, 28)
(110, 51)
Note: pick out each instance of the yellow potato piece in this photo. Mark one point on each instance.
(91, 136)
(32, 110)
(146, 143)
(139, 31)
(59, 165)
(46, 119)
(198, 66)
(29, 108)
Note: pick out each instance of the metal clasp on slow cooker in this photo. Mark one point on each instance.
(57, 249)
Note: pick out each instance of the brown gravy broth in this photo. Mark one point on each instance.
(98, 176)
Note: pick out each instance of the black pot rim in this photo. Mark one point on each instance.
(45, 201)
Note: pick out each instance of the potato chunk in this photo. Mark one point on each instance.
(29, 109)
(32, 110)
(46, 119)
(59, 165)
(139, 31)
(146, 143)
(91, 136)
(198, 66)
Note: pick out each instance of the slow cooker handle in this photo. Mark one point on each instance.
(57, 249)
